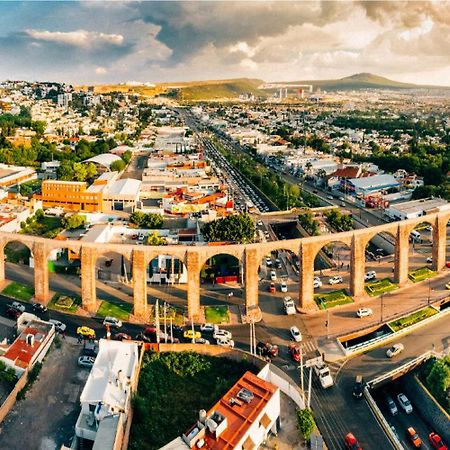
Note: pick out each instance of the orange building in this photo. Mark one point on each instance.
(70, 195)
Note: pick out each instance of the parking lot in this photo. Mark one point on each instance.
(47, 416)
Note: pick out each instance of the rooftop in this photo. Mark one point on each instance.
(425, 205)
(375, 181)
(104, 159)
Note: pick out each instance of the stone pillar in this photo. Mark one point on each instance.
(88, 278)
(357, 267)
(251, 280)
(140, 309)
(193, 283)
(439, 243)
(401, 255)
(41, 293)
(306, 275)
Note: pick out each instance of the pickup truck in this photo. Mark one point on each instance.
(323, 372)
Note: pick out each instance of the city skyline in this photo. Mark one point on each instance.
(109, 42)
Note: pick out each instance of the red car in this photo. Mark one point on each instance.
(272, 288)
(13, 313)
(295, 352)
(448, 264)
(351, 443)
(436, 442)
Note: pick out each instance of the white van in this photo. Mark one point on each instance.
(414, 235)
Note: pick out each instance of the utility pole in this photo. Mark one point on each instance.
(328, 324)
(301, 373)
(309, 387)
(157, 320)
(165, 323)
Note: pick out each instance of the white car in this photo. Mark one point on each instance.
(394, 350)
(317, 283)
(59, 326)
(18, 306)
(223, 342)
(268, 262)
(335, 280)
(86, 361)
(112, 322)
(283, 287)
(289, 306)
(222, 334)
(323, 372)
(364, 312)
(404, 403)
(296, 334)
(429, 259)
(273, 275)
(209, 328)
(370, 275)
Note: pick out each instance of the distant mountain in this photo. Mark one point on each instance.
(363, 81)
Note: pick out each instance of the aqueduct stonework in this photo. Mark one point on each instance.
(249, 255)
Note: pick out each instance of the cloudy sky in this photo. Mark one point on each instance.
(101, 42)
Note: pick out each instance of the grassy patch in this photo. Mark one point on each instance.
(413, 318)
(65, 303)
(378, 287)
(217, 314)
(43, 226)
(120, 310)
(187, 382)
(421, 274)
(19, 291)
(332, 299)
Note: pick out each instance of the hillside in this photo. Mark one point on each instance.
(363, 81)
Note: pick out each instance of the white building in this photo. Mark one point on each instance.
(417, 208)
(106, 397)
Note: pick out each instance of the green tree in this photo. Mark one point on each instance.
(306, 423)
(117, 166)
(74, 221)
(143, 220)
(155, 239)
(438, 380)
(127, 156)
(237, 228)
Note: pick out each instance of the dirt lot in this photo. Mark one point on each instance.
(47, 417)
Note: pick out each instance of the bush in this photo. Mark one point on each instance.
(143, 220)
(117, 166)
(306, 423)
(74, 221)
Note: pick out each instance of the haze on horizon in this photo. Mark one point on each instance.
(109, 42)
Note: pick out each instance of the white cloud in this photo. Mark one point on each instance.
(101, 70)
(78, 38)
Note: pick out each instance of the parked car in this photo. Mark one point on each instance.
(447, 286)
(317, 283)
(113, 322)
(413, 437)
(364, 312)
(436, 441)
(18, 306)
(122, 337)
(289, 306)
(208, 328)
(404, 403)
(13, 313)
(86, 361)
(59, 326)
(335, 280)
(268, 260)
(39, 308)
(90, 349)
(222, 334)
(395, 350)
(323, 372)
(272, 288)
(295, 351)
(86, 332)
(223, 342)
(189, 334)
(358, 387)
(429, 259)
(371, 275)
(296, 334)
(283, 287)
(273, 275)
(202, 341)
(277, 264)
(351, 443)
(391, 406)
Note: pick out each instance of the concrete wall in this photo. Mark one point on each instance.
(11, 399)
(250, 256)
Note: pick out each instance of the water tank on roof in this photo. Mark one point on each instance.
(202, 416)
(212, 425)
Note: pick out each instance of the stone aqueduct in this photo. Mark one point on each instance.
(249, 255)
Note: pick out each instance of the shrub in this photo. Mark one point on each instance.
(305, 422)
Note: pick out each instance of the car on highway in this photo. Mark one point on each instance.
(295, 351)
(351, 443)
(330, 197)
(413, 437)
(18, 306)
(436, 441)
(222, 334)
(272, 288)
(364, 312)
(323, 372)
(395, 350)
(189, 334)
(39, 308)
(391, 406)
(273, 275)
(289, 305)
(208, 327)
(335, 280)
(59, 326)
(283, 287)
(404, 403)
(86, 332)
(296, 334)
(224, 342)
(112, 322)
(371, 275)
(267, 349)
(12, 313)
(317, 283)
(358, 387)
(86, 361)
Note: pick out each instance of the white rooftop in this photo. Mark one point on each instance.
(374, 181)
(125, 186)
(104, 159)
